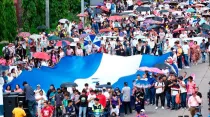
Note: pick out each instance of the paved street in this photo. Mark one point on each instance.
(202, 72)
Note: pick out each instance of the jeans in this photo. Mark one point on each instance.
(183, 99)
(32, 107)
(168, 98)
(134, 50)
(127, 105)
(152, 95)
(203, 56)
(186, 62)
(179, 61)
(82, 110)
(161, 96)
(146, 97)
(173, 99)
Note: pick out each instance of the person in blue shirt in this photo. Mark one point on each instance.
(5, 77)
(197, 113)
(152, 81)
(70, 109)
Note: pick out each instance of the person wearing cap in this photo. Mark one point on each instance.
(38, 89)
(186, 54)
(141, 113)
(183, 92)
(30, 98)
(203, 50)
(97, 107)
(18, 111)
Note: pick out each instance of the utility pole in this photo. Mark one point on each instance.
(47, 16)
(82, 11)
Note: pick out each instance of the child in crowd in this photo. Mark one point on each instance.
(70, 109)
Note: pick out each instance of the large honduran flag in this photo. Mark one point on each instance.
(90, 69)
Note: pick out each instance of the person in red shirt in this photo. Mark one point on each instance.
(102, 98)
(46, 111)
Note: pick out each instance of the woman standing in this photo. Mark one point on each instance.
(115, 102)
(190, 86)
(195, 53)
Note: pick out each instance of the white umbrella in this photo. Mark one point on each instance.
(35, 36)
(63, 21)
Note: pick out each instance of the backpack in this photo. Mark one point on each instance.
(6, 51)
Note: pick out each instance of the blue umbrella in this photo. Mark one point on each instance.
(142, 84)
(3, 68)
(93, 39)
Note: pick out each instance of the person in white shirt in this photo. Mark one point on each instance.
(174, 57)
(183, 35)
(193, 103)
(167, 47)
(91, 98)
(160, 86)
(106, 94)
(40, 101)
(186, 50)
(183, 92)
(10, 77)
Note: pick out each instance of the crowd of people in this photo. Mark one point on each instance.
(124, 28)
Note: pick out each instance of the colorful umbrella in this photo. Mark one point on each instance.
(3, 68)
(83, 35)
(41, 55)
(92, 38)
(156, 70)
(105, 30)
(54, 38)
(24, 34)
(68, 39)
(140, 9)
(179, 29)
(82, 15)
(144, 69)
(63, 21)
(62, 43)
(114, 18)
(142, 84)
(190, 10)
(104, 8)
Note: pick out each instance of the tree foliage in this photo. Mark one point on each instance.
(8, 20)
(33, 14)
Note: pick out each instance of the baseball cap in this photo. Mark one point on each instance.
(142, 110)
(38, 85)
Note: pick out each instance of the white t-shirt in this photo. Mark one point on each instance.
(115, 110)
(106, 94)
(40, 102)
(185, 49)
(159, 90)
(90, 104)
(182, 89)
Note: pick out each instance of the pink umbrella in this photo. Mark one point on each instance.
(156, 70)
(178, 29)
(24, 34)
(144, 69)
(113, 18)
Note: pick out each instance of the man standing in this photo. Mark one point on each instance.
(193, 102)
(186, 51)
(160, 87)
(30, 98)
(19, 112)
(208, 49)
(203, 50)
(126, 97)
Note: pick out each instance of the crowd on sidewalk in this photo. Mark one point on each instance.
(124, 29)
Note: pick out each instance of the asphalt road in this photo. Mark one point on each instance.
(202, 72)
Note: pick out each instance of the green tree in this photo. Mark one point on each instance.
(33, 14)
(8, 20)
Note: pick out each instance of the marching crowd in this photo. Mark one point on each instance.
(148, 29)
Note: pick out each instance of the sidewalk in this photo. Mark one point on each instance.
(202, 72)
